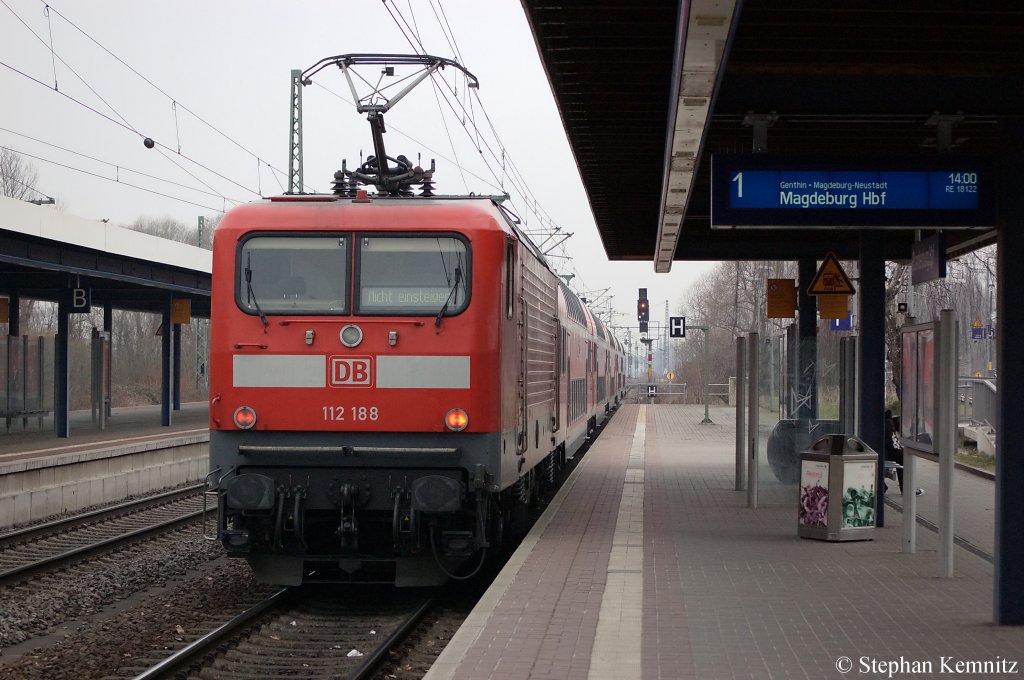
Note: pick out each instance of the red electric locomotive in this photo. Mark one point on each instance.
(392, 378)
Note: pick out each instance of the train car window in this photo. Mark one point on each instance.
(565, 353)
(510, 278)
(294, 274)
(412, 275)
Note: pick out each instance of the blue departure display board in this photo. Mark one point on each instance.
(761, 190)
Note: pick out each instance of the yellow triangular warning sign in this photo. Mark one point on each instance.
(830, 279)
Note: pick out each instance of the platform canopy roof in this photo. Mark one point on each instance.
(648, 93)
(44, 252)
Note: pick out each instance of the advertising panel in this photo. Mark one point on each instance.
(859, 497)
(917, 426)
(813, 493)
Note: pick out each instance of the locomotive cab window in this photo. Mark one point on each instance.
(413, 275)
(293, 274)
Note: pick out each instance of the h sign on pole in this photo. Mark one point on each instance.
(677, 327)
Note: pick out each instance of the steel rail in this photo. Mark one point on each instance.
(32, 532)
(372, 661)
(197, 648)
(77, 554)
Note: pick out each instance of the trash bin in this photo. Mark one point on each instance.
(837, 490)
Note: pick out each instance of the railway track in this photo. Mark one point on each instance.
(49, 546)
(310, 633)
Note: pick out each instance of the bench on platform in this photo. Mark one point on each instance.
(24, 415)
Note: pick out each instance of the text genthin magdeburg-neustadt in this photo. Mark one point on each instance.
(944, 665)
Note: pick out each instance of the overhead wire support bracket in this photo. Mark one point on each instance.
(563, 239)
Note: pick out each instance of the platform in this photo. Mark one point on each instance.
(648, 564)
(125, 424)
(42, 475)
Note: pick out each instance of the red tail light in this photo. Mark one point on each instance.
(245, 417)
(456, 420)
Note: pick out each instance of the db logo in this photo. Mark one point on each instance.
(349, 371)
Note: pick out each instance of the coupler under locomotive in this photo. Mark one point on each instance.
(408, 527)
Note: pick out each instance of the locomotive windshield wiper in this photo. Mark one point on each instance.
(252, 295)
(451, 294)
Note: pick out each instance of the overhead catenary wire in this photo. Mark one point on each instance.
(117, 166)
(115, 180)
(437, 99)
(451, 142)
(274, 175)
(520, 186)
(399, 21)
(517, 180)
(122, 125)
(183, 107)
(124, 121)
(416, 30)
(492, 155)
(524, 190)
(488, 144)
(446, 29)
(520, 183)
(28, 186)
(480, 142)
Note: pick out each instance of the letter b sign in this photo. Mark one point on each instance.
(79, 300)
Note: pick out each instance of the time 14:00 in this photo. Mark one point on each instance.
(963, 178)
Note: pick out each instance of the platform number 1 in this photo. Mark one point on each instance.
(739, 184)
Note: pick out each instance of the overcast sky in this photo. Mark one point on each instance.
(229, 62)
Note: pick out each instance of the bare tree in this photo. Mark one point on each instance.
(730, 300)
(164, 227)
(969, 290)
(17, 176)
(896, 280)
(168, 228)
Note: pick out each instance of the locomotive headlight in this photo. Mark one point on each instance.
(245, 417)
(351, 335)
(456, 420)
